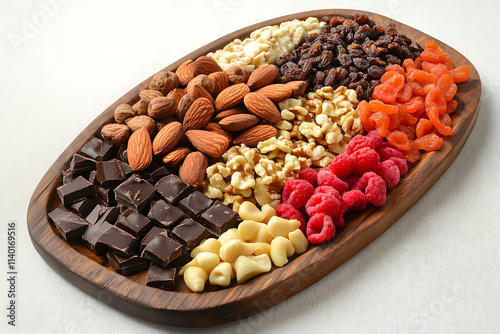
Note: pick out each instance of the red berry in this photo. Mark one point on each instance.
(354, 200)
(320, 228)
(323, 203)
(297, 192)
(342, 165)
(288, 211)
(366, 159)
(310, 175)
(327, 178)
(389, 172)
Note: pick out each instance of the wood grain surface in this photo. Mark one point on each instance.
(92, 273)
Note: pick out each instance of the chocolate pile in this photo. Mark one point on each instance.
(139, 220)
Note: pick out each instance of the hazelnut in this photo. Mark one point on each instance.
(237, 74)
(122, 112)
(115, 134)
(139, 122)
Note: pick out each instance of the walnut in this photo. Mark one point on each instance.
(237, 74)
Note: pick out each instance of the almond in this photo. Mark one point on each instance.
(228, 112)
(204, 81)
(216, 128)
(139, 150)
(298, 88)
(177, 94)
(205, 65)
(220, 80)
(115, 134)
(185, 72)
(262, 76)
(167, 137)
(192, 170)
(123, 112)
(149, 94)
(139, 122)
(212, 144)
(231, 96)
(239, 122)
(254, 135)
(198, 115)
(277, 92)
(196, 91)
(183, 106)
(261, 106)
(176, 156)
(161, 107)
(164, 82)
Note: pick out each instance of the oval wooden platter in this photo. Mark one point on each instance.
(183, 308)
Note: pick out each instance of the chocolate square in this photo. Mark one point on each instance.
(162, 250)
(127, 266)
(165, 215)
(162, 278)
(84, 207)
(155, 230)
(75, 191)
(134, 193)
(68, 224)
(195, 204)
(81, 164)
(172, 189)
(119, 241)
(109, 173)
(219, 218)
(97, 149)
(190, 233)
(91, 236)
(134, 223)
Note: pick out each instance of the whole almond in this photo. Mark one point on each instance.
(123, 112)
(139, 122)
(185, 72)
(204, 81)
(228, 112)
(220, 80)
(277, 92)
(298, 88)
(239, 122)
(177, 94)
(183, 106)
(175, 157)
(215, 127)
(161, 107)
(139, 150)
(262, 76)
(237, 74)
(167, 137)
(261, 106)
(115, 134)
(164, 82)
(253, 136)
(196, 91)
(198, 114)
(231, 96)
(140, 107)
(205, 65)
(164, 121)
(192, 170)
(149, 94)
(212, 144)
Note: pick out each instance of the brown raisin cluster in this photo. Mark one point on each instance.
(350, 53)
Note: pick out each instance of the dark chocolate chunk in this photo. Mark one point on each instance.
(134, 223)
(97, 149)
(194, 204)
(109, 173)
(219, 218)
(162, 250)
(68, 224)
(159, 173)
(127, 170)
(134, 193)
(67, 176)
(165, 214)
(162, 278)
(119, 241)
(75, 191)
(81, 164)
(84, 207)
(155, 230)
(172, 189)
(107, 195)
(91, 236)
(182, 259)
(127, 266)
(190, 233)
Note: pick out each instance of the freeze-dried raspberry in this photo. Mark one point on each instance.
(327, 178)
(342, 165)
(354, 200)
(363, 181)
(377, 140)
(375, 191)
(320, 228)
(297, 192)
(310, 175)
(389, 172)
(389, 152)
(366, 159)
(323, 203)
(288, 211)
(402, 165)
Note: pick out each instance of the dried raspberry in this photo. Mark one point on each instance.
(389, 152)
(354, 200)
(366, 159)
(389, 172)
(327, 178)
(342, 165)
(320, 228)
(288, 211)
(363, 181)
(323, 203)
(402, 165)
(310, 175)
(297, 192)
(376, 191)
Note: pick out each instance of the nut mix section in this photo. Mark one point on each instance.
(241, 158)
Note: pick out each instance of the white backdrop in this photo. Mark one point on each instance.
(63, 62)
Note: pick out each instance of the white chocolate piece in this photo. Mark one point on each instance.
(205, 260)
(281, 250)
(279, 227)
(247, 267)
(230, 234)
(252, 231)
(195, 278)
(211, 245)
(248, 211)
(222, 274)
(299, 241)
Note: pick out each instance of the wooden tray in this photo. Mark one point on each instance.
(91, 273)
